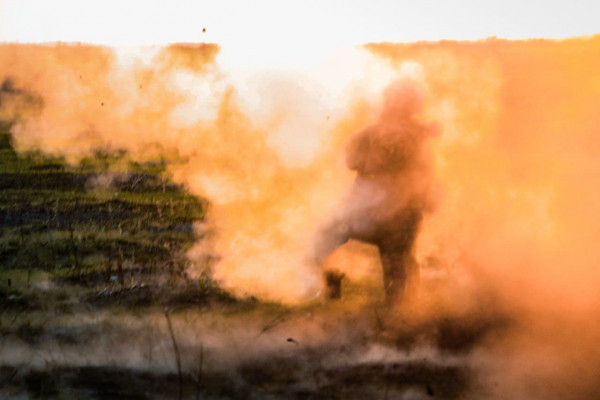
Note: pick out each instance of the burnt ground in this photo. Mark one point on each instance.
(290, 369)
(249, 382)
(234, 349)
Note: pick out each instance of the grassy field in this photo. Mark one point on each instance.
(96, 303)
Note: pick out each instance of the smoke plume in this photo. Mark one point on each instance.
(263, 148)
(515, 221)
(517, 167)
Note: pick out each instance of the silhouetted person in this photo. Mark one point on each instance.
(386, 203)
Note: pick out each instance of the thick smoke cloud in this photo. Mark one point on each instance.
(263, 148)
(515, 222)
(517, 164)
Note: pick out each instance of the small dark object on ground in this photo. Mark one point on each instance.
(429, 390)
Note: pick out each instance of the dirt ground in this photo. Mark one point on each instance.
(226, 348)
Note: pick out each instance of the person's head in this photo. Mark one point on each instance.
(401, 100)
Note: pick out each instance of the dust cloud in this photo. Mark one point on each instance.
(515, 222)
(518, 165)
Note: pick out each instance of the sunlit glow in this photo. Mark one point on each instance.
(256, 110)
(296, 35)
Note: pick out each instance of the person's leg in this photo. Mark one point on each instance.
(400, 269)
(328, 238)
(400, 275)
(331, 236)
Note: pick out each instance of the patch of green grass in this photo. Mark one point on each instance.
(107, 220)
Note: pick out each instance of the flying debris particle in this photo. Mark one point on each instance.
(102, 104)
(429, 390)
(291, 340)
(203, 30)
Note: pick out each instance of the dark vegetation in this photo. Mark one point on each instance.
(120, 234)
(75, 238)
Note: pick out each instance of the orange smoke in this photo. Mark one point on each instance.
(518, 166)
(516, 163)
(518, 146)
(518, 151)
(264, 151)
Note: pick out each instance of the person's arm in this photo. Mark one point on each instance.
(357, 150)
